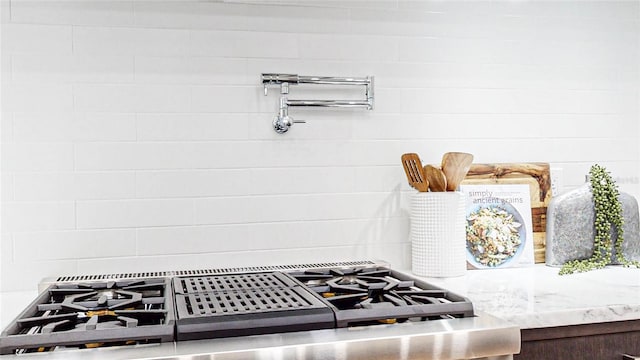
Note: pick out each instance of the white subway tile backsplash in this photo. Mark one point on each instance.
(294, 152)
(39, 97)
(379, 178)
(38, 216)
(348, 47)
(37, 157)
(7, 186)
(309, 67)
(586, 53)
(46, 186)
(73, 245)
(213, 43)
(161, 156)
(61, 186)
(6, 250)
(225, 99)
(331, 124)
(193, 127)
(463, 50)
(110, 214)
(105, 13)
(72, 68)
(277, 208)
(568, 11)
(73, 126)
(5, 12)
(25, 276)
(131, 98)
(353, 5)
(35, 38)
(488, 125)
(224, 210)
(104, 185)
(193, 239)
(129, 41)
(192, 70)
(420, 23)
(554, 28)
(457, 8)
(6, 126)
(387, 101)
(143, 124)
(270, 45)
(190, 15)
(302, 180)
(528, 101)
(192, 183)
(243, 44)
(498, 76)
(269, 18)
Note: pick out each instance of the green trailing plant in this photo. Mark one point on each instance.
(608, 217)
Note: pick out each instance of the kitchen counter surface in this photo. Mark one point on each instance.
(537, 297)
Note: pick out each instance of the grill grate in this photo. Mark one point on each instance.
(204, 272)
(220, 283)
(244, 302)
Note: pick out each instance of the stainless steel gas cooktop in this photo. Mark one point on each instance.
(80, 312)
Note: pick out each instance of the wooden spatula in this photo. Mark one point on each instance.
(413, 168)
(436, 178)
(455, 166)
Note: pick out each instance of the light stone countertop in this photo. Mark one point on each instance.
(537, 297)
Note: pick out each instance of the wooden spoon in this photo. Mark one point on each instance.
(413, 168)
(455, 166)
(435, 176)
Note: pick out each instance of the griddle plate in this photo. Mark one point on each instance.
(246, 304)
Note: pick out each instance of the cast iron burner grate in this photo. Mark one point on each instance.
(245, 304)
(96, 314)
(363, 296)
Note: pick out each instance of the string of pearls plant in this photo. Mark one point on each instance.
(608, 217)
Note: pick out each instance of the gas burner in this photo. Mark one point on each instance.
(362, 296)
(86, 315)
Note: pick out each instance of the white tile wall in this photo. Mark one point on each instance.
(136, 135)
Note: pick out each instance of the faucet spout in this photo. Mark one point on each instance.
(282, 122)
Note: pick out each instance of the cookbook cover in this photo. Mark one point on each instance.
(499, 230)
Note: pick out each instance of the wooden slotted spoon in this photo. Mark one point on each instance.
(455, 166)
(413, 168)
(436, 178)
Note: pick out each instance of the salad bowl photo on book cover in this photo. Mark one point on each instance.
(498, 226)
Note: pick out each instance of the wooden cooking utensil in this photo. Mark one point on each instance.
(413, 168)
(436, 178)
(455, 166)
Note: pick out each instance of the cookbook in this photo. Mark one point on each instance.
(499, 229)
